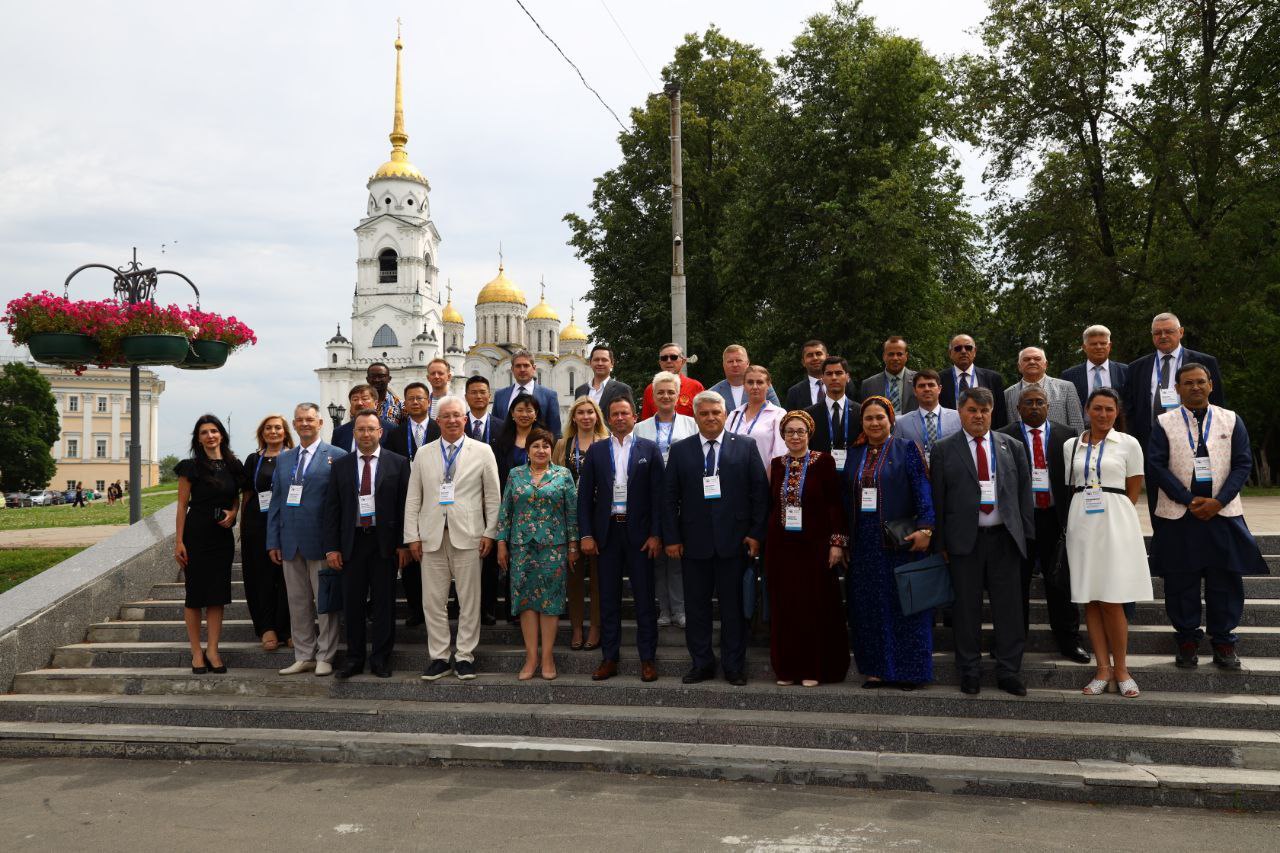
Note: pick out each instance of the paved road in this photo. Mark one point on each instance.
(108, 805)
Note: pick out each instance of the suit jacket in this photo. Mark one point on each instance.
(1059, 433)
(1064, 405)
(879, 385)
(956, 497)
(722, 388)
(342, 504)
(800, 397)
(297, 530)
(613, 389)
(401, 442)
(344, 434)
(986, 379)
(911, 427)
(1138, 391)
(821, 438)
(476, 497)
(495, 427)
(644, 492)
(547, 399)
(1079, 376)
(714, 528)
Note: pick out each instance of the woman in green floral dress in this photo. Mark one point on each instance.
(537, 536)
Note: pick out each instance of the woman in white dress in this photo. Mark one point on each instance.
(758, 418)
(1104, 541)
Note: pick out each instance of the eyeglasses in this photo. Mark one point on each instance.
(669, 357)
(962, 347)
(795, 433)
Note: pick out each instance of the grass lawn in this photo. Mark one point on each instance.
(159, 487)
(66, 515)
(1261, 491)
(18, 564)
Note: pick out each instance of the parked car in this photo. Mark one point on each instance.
(69, 496)
(46, 498)
(18, 499)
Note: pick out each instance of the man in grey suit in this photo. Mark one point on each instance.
(931, 421)
(295, 540)
(733, 388)
(985, 514)
(603, 389)
(1064, 401)
(894, 382)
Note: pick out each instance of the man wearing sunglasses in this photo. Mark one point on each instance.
(671, 359)
(963, 374)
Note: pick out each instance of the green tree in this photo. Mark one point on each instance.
(167, 464)
(28, 428)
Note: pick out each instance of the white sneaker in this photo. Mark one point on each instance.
(298, 666)
(664, 621)
(323, 667)
(680, 620)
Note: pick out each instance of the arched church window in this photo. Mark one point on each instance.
(508, 340)
(409, 202)
(426, 260)
(539, 340)
(387, 266)
(572, 384)
(334, 357)
(385, 337)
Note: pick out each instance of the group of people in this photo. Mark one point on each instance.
(682, 496)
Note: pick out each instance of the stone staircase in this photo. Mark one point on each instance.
(1202, 737)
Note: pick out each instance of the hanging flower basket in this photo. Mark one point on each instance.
(205, 355)
(153, 349)
(66, 349)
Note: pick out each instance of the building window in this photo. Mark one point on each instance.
(422, 355)
(99, 485)
(387, 266)
(385, 337)
(126, 440)
(100, 448)
(334, 356)
(73, 403)
(73, 448)
(102, 404)
(71, 485)
(540, 340)
(508, 340)
(128, 406)
(571, 383)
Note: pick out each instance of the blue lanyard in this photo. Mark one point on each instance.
(671, 430)
(257, 468)
(613, 469)
(449, 458)
(831, 430)
(1208, 419)
(804, 472)
(410, 445)
(924, 427)
(884, 453)
(577, 455)
(1155, 369)
(1102, 448)
(742, 416)
(1044, 438)
(488, 424)
(298, 461)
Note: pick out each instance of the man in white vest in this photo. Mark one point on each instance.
(1199, 459)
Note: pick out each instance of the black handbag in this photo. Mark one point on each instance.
(896, 531)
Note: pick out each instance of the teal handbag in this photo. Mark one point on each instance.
(923, 584)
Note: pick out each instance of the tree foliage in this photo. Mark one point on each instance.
(28, 428)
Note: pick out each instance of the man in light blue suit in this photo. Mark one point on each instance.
(733, 387)
(294, 540)
(525, 373)
(930, 422)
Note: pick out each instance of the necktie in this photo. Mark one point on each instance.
(984, 471)
(366, 487)
(302, 464)
(817, 390)
(477, 430)
(1037, 458)
(417, 435)
(1164, 371)
(837, 427)
(964, 381)
(931, 427)
(895, 394)
(711, 459)
(1097, 377)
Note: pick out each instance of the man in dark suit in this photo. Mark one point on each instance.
(1152, 390)
(1042, 440)
(808, 391)
(359, 398)
(363, 531)
(603, 389)
(837, 417)
(1098, 370)
(418, 429)
(484, 426)
(620, 519)
(713, 518)
(982, 498)
(525, 373)
(963, 373)
(894, 382)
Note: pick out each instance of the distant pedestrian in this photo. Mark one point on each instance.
(79, 501)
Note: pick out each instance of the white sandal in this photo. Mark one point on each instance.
(1096, 687)
(1129, 689)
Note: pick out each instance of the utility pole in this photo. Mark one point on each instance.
(679, 320)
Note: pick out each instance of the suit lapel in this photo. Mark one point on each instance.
(966, 458)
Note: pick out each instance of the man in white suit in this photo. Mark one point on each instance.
(450, 523)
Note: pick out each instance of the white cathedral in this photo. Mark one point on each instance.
(396, 313)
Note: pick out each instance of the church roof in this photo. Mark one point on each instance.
(543, 311)
(338, 338)
(451, 314)
(572, 332)
(501, 289)
(399, 166)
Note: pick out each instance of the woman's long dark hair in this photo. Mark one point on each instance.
(202, 460)
(1112, 395)
(507, 438)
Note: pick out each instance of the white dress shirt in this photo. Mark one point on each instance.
(1175, 361)
(517, 390)
(706, 444)
(373, 468)
(1093, 371)
(957, 373)
(472, 420)
(595, 393)
(816, 390)
(987, 519)
(304, 459)
(621, 456)
(418, 430)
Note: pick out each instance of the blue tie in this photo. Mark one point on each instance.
(711, 459)
(1097, 377)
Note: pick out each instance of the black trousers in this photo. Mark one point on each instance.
(1064, 615)
(619, 559)
(1223, 604)
(264, 589)
(411, 580)
(489, 585)
(369, 577)
(996, 566)
(720, 577)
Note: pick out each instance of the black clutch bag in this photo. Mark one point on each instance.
(896, 531)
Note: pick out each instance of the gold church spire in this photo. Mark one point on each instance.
(399, 166)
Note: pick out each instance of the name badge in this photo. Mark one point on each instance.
(294, 497)
(711, 487)
(839, 456)
(446, 493)
(868, 499)
(366, 506)
(1169, 398)
(619, 496)
(1039, 479)
(1203, 470)
(793, 521)
(987, 492)
(1094, 500)
(264, 500)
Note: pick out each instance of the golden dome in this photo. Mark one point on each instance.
(573, 333)
(401, 168)
(501, 289)
(451, 314)
(543, 311)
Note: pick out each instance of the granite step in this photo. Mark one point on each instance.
(972, 737)
(1260, 676)
(1074, 781)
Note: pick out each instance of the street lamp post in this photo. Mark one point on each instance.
(335, 413)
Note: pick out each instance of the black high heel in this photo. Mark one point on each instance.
(200, 670)
(216, 670)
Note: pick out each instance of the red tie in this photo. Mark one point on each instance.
(984, 472)
(1037, 455)
(366, 487)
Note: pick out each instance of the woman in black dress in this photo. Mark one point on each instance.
(207, 486)
(264, 588)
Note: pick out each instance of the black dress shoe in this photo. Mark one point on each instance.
(1224, 656)
(698, 674)
(969, 684)
(737, 679)
(348, 670)
(1012, 685)
(414, 620)
(487, 620)
(1187, 657)
(381, 670)
(1075, 653)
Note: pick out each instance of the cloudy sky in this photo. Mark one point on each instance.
(239, 137)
